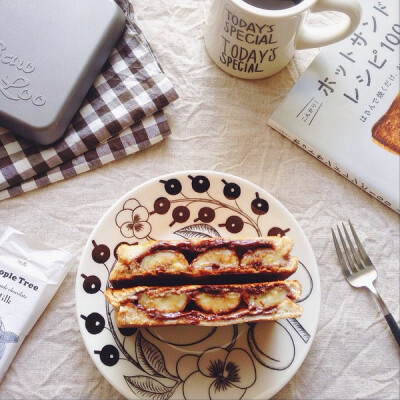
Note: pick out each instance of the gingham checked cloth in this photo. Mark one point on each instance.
(122, 114)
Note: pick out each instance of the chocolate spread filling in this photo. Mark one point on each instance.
(192, 249)
(196, 315)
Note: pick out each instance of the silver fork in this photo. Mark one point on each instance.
(360, 272)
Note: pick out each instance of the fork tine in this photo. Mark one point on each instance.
(349, 258)
(339, 253)
(361, 249)
(356, 258)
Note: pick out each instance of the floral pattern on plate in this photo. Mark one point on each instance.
(234, 362)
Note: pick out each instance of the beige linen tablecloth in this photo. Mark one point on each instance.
(219, 123)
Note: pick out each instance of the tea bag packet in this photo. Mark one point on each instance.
(30, 274)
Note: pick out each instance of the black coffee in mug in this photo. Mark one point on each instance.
(273, 4)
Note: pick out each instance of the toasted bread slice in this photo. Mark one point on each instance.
(204, 261)
(205, 305)
(386, 131)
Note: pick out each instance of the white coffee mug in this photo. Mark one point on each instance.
(248, 40)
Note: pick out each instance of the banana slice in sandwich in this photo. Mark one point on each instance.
(167, 303)
(217, 303)
(216, 259)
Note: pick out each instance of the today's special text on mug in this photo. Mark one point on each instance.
(240, 57)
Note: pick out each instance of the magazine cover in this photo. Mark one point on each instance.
(344, 110)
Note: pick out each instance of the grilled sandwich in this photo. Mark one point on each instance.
(205, 305)
(209, 282)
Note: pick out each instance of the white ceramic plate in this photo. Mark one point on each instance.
(252, 361)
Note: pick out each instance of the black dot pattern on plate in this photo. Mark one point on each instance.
(127, 331)
(259, 206)
(232, 190)
(180, 214)
(206, 214)
(94, 323)
(109, 355)
(275, 231)
(233, 224)
(200, 183)
(161, 206)
(172, 186)
(100, 253)
(91, 284)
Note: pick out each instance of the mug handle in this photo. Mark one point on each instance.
(310, 37)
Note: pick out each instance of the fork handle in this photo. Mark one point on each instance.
(393, 327)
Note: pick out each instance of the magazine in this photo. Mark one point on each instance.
(344, 109)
